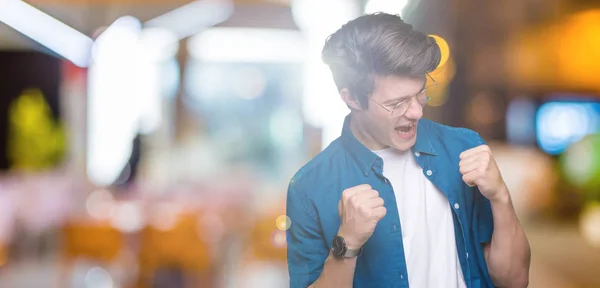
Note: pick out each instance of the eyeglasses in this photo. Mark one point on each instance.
(400, 109)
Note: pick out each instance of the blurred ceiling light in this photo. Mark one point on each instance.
(259, 45)
(113, 111)
(387, 6)
(317, 20)
(193, 17)
(158, 44)
(323, 17)
(46, 30)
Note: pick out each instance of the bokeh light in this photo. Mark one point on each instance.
(98, 278)
(278, 239)
(443, 75)
(444, 49)
(100, 204)
(560, 124)
(581, 163)
(164, 216)
(283, 222)
(589, 224)
(128, 217)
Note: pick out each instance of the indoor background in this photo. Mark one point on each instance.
(149, 143)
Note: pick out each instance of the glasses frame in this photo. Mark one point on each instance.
(409, 100)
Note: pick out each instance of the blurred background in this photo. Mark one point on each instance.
(149, 143)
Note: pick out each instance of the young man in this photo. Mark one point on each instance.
(398, 200)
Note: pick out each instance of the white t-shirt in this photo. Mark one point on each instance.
(426, 220)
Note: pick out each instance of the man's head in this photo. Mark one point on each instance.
(378, 62)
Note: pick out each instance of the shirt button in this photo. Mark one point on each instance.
(429, 173)
(417, 154)
(395, 226)
(456, 206)
(467, 255)
(401, 276)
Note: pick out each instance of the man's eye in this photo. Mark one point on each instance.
(404, 101)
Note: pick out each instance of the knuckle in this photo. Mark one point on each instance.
(365, 210)
(352, 200)
(362, 186)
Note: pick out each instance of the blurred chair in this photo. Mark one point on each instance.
(179, 247)
(3, 254)
(263, 263)
(267, 242)
(96, 241)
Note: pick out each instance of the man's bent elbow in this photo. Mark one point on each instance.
(515, 280)
(522, 280)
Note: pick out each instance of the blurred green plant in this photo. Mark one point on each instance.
(580, 165)
(35, 140)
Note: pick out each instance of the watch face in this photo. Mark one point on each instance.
(338, 247)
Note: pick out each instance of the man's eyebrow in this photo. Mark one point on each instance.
(398, 99)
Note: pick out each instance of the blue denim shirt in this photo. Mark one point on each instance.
(315, 190)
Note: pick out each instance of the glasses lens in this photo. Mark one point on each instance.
(400, 109)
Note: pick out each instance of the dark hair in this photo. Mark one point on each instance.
(374, 45)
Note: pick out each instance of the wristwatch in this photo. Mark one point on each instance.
(339, 248)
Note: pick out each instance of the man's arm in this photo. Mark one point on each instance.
(336, 273)
(310, 262)
(508, 256)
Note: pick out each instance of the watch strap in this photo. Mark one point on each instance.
(351, 253)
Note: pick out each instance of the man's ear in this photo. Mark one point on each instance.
(351, 101)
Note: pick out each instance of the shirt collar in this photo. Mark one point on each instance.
(366, 158)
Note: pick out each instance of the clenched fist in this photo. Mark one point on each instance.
(360, 209)
(479, 168)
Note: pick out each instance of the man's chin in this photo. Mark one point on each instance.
(404, 144)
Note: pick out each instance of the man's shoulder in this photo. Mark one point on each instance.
(452, 137)
(318, 168)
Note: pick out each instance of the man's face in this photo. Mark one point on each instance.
(384, 130)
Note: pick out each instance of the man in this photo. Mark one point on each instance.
(398, 200)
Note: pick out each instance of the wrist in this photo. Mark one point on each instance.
(350, 241)
(502, 196)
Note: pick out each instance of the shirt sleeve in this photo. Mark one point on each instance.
(306, 248)
(484, 219)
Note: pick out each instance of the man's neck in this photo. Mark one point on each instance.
(363, 136)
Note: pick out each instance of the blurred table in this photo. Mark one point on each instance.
(560, 257)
